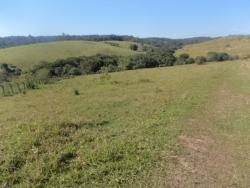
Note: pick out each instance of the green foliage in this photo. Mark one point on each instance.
(10, 69)
(43, 74)
(134, 47)
(200, 60)
(74, 71)
(7, 72)
(214, 56)
(26, 57)
(184, 56)
(151, 60)
(223, 57)
(190, 61)
(76, 92)
(102, 63)
(112, 136)
(185, 59)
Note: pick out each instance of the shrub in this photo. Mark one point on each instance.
(76, 92)
(134, 47)
(184, 56)
(183, 59)
(223, 57)
(190, 61)
(74, 71)
(130, 66)
(43, 74)
(212, 56)
(200, 60)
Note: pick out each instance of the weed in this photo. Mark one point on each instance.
(76, 92)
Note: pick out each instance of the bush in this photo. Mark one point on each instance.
(184, 56)
(76, 92)
(223, 57)
(130, 66)
(74, 71)
(190, 61)
(183, 59)
(200, 60)
(212, 56)
(164, 58)
(43, 74)
(134, 47)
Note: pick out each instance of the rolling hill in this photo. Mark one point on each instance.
(27, 56)
(233, 45)
(165, 127)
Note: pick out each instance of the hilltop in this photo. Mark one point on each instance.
(233, 45)
(26, 56)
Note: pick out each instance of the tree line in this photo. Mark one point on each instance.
(47, 72)
(12, 41)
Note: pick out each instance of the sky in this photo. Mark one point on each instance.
(140, 18)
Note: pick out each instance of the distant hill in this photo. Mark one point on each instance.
(13, 41)
(26, 56)
(233, 45)
(174, 43)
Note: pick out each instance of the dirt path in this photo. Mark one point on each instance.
(208, 155)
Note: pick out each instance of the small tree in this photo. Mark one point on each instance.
(134, 47)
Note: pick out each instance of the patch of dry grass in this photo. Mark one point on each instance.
(233, 45)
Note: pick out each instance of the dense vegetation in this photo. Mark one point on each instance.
(45, 72)
(211, 57)
(101, 63)
(27, 56)
(7, 71)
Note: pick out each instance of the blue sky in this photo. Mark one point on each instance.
(143, 18)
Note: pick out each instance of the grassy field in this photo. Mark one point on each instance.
(184, 126)
(27, 56)
(233, 45)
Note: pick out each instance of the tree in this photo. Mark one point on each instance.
(134, 47)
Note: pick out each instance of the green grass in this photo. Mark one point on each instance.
(27, 56)
(233, 45)
(115, 133)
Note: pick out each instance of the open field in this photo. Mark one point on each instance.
(233, 45)
(184, 126)
(27, 56)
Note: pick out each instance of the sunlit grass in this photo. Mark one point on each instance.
(111, 134)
